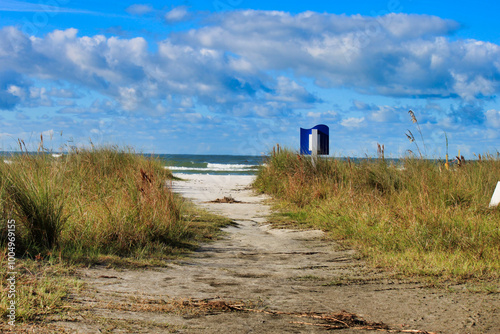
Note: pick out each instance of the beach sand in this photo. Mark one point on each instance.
(279, 275)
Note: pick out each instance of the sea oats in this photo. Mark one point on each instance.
(412, 115)
(410, 136)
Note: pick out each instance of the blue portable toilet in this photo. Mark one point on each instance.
(316, 138)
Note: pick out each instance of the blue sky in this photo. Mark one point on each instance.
(238, 76)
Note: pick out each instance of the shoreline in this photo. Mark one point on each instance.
(202, 189)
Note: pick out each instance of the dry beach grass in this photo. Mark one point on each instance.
(253, 277)
(96, 205)
(267, 280)
(416, 217)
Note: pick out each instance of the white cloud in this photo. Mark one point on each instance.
(406, 26)
(329, 116)
(177, 14)
(16, 91)
(289, 91)
(139, 9)
(493, 118)
(252, 62)
(129, 98)
(386, 114)
(360, 105)
(470, 88)
(241, 65)
(353, 122)
(395, 55)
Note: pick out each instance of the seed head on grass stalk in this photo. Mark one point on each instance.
(411, 137)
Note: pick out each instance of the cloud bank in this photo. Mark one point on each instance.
(225, 63)
(253, 64)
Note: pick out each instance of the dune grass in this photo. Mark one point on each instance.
(416, 218)
(96, 205)
(42, 288)
(104, 200)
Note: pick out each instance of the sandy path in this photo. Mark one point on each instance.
(274, 269)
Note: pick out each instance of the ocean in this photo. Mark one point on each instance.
(212, 164)
(193, 163)
(206, 163)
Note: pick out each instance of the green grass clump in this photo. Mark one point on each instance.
(34, 195)
(91, 201)
(416, 217)
(97, 205)
(42, 286)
